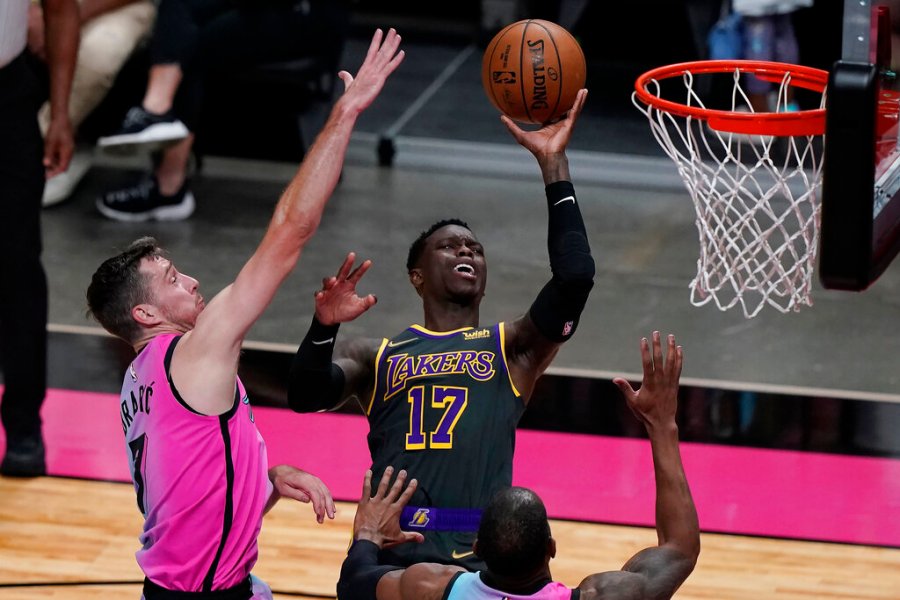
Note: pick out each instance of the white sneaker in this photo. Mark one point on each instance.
(60, 187)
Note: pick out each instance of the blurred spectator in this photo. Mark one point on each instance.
(110, 31)
(769, 35)
(25, 160)
(193, 38)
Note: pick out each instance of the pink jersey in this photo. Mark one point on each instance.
(468, 586)
(201, 481)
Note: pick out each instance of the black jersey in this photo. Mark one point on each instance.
(445, 409)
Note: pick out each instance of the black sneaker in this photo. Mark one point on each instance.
(143, 202)
(146, 130)
(24, 458)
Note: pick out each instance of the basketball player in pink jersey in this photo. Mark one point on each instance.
(514, 534)
(198, 462)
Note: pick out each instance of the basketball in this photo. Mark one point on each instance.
(532, 71)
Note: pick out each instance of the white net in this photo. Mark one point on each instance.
(756, 205)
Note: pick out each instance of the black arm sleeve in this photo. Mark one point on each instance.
(558, 307)
(360, 572)
(315, 383)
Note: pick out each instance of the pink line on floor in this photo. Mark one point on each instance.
(771, 493)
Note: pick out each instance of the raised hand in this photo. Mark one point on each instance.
(378, 517)
(381, 60)
(657, 400)
(552, 138)
(337, 301)
(291, 482)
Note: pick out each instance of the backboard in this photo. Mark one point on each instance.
(860, 230)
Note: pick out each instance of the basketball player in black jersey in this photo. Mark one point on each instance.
(514, 536)
(443, 398)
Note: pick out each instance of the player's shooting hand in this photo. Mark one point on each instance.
(381, 60)
(378, 517)
(337, 301)
(304, 487)
(657, 400)
(551, 139)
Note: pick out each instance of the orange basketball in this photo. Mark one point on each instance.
(532, 71)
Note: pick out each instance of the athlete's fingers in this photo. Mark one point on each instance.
(316, 496)
(572, 114)
(657, 352)
(679, 362)
(514, 129)
(330, 508)
(403, 500)
(625, 387)
(670, 354)
(346, 266)
(346, 77)
(295, 493)
(374, 46)
(383, 484)
(646, 360)
(370, 301)
(328, 283)
(359, 271)
(397, 487)
(413, 536)
(367, 487)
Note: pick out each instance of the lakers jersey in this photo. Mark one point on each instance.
(445, 409)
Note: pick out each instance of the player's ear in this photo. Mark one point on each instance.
(416, 279)
(146, 315)
(551, 548)
(475, 547)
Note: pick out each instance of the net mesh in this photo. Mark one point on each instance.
(757, 209)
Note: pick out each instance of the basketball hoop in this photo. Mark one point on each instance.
(753, 178)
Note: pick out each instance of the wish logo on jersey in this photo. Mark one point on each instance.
(402, 367)
(481, 334)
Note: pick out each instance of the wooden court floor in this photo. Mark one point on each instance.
(60, 531)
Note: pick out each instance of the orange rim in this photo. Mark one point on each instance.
(801, 123)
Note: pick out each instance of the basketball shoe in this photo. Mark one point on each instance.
(144, 202)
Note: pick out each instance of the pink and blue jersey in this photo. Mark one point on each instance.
(201, 481)
(468, 586)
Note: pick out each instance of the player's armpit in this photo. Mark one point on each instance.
(613, 585)
(662, 569)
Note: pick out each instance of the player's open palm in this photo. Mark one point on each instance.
(381, 60)
(337, 301)
(656, 401)
(378, 517)
(552, 138)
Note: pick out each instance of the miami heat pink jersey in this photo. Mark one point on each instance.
(201, 481)
(468, 586)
